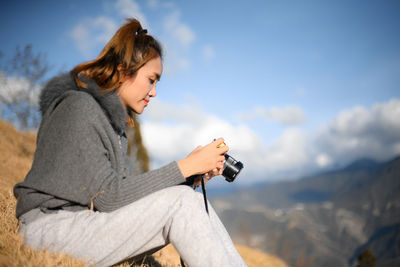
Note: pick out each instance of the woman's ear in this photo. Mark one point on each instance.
(121, 73)
(119, 67)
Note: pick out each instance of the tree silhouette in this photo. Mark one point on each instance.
(20, 84)
(137, 149)
(366, 259)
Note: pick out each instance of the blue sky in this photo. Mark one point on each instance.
(293, 86)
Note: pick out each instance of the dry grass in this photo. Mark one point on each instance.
(16, 155)
(13, 252)
(252, 257)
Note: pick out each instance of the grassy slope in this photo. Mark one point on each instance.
(16, 155)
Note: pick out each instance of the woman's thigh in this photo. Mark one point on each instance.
(107, 238)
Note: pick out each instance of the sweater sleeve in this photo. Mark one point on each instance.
(78, 157)
(120, 191)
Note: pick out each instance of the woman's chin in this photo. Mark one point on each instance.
(136, 109)
(139, 111)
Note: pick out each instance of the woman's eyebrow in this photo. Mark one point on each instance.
(158, 76)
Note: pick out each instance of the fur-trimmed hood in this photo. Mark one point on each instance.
(109, 101)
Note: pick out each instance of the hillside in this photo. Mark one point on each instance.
(16, 155)
(325, 219)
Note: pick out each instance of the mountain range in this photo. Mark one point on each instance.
(326, 219)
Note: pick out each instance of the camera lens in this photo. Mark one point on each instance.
(232, 168)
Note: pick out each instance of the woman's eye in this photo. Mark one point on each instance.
(152, 81)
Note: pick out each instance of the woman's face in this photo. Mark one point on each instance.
(135, 91)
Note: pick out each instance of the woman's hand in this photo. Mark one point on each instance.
(207, 176)
(202, 160)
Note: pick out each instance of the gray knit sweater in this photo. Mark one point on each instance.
(81, 154)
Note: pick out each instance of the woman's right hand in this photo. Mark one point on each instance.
(204, 159)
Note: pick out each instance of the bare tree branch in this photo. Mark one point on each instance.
(20, 84)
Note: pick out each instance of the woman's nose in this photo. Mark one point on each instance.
(153, 92)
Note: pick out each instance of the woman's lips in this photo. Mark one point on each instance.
(146, 102)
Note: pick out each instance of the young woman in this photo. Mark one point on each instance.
(81, 196)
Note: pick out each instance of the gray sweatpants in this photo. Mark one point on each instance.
(174, 215)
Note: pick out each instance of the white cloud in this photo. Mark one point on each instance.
(171, 132)
(323, 160)
(80, 34)
(178, 29)
(177, 39)
(290, 151)
(92, 33)
(107, 26)
(289, 115)
(160, 4)
(17, 89)
(361, 132)
(190, 113)
(174, 59)
(131, 9)
(204, 127)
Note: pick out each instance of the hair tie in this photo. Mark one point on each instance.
(142, 31)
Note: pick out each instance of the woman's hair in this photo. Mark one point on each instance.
(131, 47)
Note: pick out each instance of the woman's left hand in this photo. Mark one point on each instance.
(208, 176)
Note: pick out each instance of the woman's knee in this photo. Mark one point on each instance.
(188, 196)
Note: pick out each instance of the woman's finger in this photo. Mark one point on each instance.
(218, 141)
(223, 150)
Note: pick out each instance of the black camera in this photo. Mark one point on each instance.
(232, 168)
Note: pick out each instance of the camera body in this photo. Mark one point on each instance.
(231, 169)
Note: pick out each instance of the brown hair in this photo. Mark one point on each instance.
(130, 46)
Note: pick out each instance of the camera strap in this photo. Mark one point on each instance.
(203, 188)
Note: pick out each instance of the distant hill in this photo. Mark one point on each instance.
(322, 220)
(16, 155)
